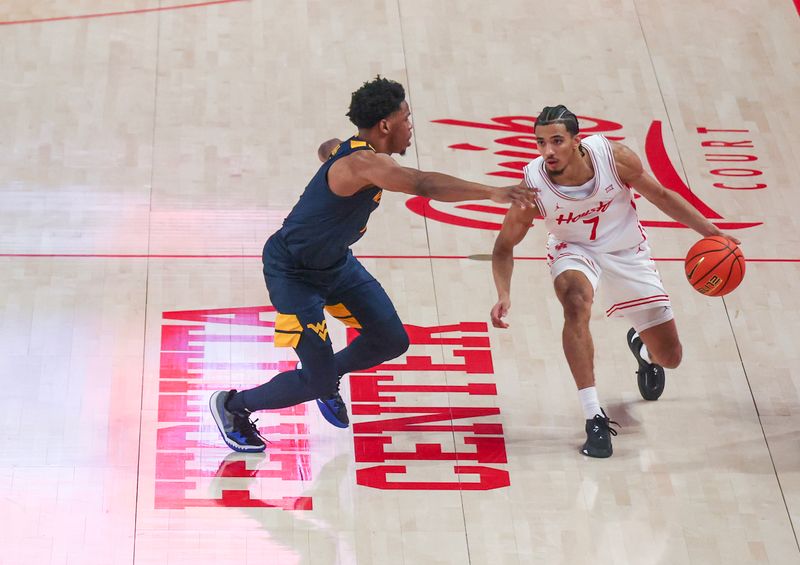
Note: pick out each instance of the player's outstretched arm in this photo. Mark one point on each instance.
(631, 171)
(365, 168)
(515, 225)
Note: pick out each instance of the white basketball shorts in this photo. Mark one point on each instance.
(632, 286)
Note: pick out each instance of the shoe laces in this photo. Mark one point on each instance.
(248, 427)
(336, 398)
(604, 423)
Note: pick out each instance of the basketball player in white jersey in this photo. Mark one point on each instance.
(584, 195)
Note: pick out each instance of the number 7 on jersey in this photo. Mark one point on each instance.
(594, 221)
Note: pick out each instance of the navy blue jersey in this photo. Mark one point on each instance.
(322, 226)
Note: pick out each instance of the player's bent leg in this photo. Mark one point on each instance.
(654, 343)
(307, 333)
(663, 345)
(377, 342)
(363, 305)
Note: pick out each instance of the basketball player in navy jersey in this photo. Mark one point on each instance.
(583, 192)
(309, 268)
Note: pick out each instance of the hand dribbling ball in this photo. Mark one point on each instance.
(714, 266)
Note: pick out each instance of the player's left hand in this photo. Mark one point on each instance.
(729, 236)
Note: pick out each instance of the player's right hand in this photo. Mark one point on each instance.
(499, 312)
(519, 194)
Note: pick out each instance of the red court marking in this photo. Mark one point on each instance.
(469, 146)
(446, 257)
(124, 13)
(797, 5)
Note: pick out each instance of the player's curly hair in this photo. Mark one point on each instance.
(558, 115)
(374, 101)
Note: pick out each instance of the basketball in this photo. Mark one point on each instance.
(714, 266)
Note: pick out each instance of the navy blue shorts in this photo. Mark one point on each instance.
(348, 292)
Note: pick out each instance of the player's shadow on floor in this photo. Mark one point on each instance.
(325, 520)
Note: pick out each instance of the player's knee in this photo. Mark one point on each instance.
(395, 339)
(577, 307)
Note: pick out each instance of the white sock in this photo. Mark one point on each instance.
(644, 354)
(589, 402)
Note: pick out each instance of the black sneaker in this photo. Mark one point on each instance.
(598, 436)
(650, 377)
(334, 409)
(238, 431)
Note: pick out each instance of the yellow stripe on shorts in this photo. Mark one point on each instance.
(341, 313)
(287, 330)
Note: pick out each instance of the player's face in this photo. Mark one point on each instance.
(400, 129)
(557, 146)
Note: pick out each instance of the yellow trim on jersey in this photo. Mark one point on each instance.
(287, 330)
(341, 313)
(377, 197)
(356, 143)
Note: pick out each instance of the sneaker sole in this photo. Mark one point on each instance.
(647, 388)
(218, 421)
(598, 455)
(328, 414)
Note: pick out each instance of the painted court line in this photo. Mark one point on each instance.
(222, 256)
(122, 13)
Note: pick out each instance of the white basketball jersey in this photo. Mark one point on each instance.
(603, 220)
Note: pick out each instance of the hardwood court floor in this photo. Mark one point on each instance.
(148, 149)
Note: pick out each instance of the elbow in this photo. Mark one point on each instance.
(423, 188)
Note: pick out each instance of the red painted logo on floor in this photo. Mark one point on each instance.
(466, 451)
(518, 148)
(205, 350)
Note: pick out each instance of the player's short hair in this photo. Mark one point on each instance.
(374, 101)
(558, 115)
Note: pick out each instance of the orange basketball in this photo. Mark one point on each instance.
(714, 266)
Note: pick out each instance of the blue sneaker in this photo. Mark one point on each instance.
(334, 410)
(238, 431)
